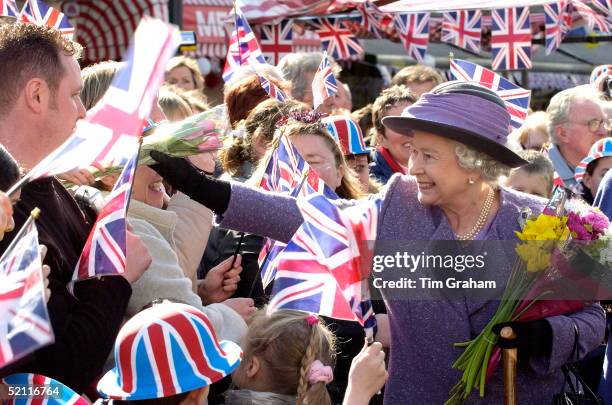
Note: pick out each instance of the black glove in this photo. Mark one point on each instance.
(533, 337)
(185, 177)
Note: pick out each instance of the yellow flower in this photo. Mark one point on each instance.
(536, 254)
(545, 227)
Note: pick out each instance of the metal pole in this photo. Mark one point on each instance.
(175, 12)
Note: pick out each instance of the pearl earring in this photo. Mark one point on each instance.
(470, 180)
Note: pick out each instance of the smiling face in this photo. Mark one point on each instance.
(433, 162)
(148, 187)
(397, 144)
(317, 152)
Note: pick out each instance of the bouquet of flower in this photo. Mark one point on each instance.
(191, 136)
(542, 241)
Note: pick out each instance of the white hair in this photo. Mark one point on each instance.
(295, 66)
(559, 106)
(489, 168)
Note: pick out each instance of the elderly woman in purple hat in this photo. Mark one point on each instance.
(458, 133)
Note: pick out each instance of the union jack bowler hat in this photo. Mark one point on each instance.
(466, 112)
(601, 148)
(166, 350)
(348, 133)
(37, 389)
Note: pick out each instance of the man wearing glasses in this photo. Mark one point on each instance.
(577, 121)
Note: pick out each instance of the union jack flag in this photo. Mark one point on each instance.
(24, 321)
(591, 17)
(515, 97)
(276, 41)
(287, 173)
(66, 396)
(511, 38)
(35, 12)
(104, 252)
(271, 89)
(109, 133)
(337, 40)
(370, 18)
(462, 29)
(243, 48)
(8, 8)
(413, 29)
(324, 266)
(605, 6)
(558, 22)
(324, 83)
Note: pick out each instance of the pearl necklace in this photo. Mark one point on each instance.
(482, 218)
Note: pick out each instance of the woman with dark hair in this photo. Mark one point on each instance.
(458, 134)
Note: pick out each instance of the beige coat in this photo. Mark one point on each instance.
(165, 278)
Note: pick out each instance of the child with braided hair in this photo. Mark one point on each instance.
(288, 359)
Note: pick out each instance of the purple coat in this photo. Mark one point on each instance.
(423, 332)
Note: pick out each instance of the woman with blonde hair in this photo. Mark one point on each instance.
(184, 72)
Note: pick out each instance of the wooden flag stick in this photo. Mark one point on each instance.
(509, 357)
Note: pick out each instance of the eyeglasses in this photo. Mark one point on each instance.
(596, 123)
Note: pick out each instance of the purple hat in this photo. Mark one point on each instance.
(465, 112)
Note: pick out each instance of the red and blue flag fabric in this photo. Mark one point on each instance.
(558, 21)
(243, 48)
(52, 392)
(337, 39)
(271, 89)
(370, 18)
(413, 29)
(599, 71)
(105, 251)
(511, 38)
(24, 321)
(326, 263)
(167, 350)
(462, 28)
(604, 6)
(38, 12)
(324, 83)
(594, 20)
(348, 133)
(286, 173)
(8, 8)
(108, 135)
(515, 97)
(276, 40)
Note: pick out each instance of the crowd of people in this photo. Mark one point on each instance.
(187, 322)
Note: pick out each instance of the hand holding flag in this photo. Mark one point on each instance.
(324, 83)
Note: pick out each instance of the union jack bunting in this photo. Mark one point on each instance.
(370, 18)
(594, 21)
(104, 252)
(337, 40)
(324, 83)
(243, 48)
(271, 89)
(324, 266)
(413, 29)
(8, 8)
(276, 41)
(24, 321)
(511, 38)
(60, 394)
(558, 22)
(462, 29)
(605, 6)
(515, 97)
(38, 12)
(109, 133)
